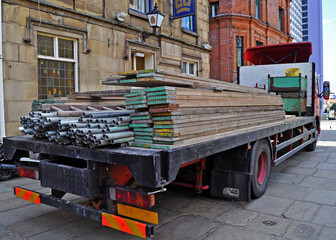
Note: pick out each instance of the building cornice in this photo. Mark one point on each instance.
(89, 18)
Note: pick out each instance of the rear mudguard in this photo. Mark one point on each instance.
(5, 166)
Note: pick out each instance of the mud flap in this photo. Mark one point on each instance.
(231, 184)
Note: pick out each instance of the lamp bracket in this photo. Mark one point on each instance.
(146, 35)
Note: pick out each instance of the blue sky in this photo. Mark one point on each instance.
(329, 42)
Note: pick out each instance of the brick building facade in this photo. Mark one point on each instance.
(55, 47)
(236, 25)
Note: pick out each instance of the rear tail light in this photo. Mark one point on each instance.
(28, 172)
(132, 197)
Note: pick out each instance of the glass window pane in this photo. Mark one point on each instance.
(45, 45)
(65, 48)
(257, 9)
(184, 67)
(191, 68)
(214, 7)
(68, 91)
(239, 51)
(188, 23)
(59, 80)
(281, 19)
(140, 5)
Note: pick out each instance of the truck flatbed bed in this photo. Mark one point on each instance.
(155, 168)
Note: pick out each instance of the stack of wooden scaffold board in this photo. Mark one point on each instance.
(157, 78)
(169, 117)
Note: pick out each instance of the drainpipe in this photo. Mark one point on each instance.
(2, 97)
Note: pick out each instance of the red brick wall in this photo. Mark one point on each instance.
(236, 18)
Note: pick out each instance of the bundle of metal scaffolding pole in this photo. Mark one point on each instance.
(89, 129)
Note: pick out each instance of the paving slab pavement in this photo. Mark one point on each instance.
(300, 203)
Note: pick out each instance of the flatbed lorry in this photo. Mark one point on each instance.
(122, 182)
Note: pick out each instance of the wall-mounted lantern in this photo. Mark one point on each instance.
(155, 19)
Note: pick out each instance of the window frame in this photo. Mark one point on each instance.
(258, 43)
(61, 59)
(257, 9)
(281, 19)
(213, 9)
(188, 63)
(148, 58)
(149, 6)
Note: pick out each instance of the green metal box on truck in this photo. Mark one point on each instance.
(287, 84)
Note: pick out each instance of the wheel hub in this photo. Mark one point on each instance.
(261, 168)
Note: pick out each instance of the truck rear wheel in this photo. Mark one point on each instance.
(311, 147)
(261, 160)
(6, 175)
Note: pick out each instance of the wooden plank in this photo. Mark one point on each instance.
(136, 90)
(206, 127)
(143, 140)
(210, 134)
(214, 110)
(206, 80)
(152, 146)
(156, 77)
(206, 110)
(129, 73)
(164, 90)
(135, 98)
(142, 121)
(135, 94)
(144, 117)
(212, 137)
(233, 132)
(147, 137)
(143, 133)
(228, 103)
(136, 114)
(136, 102)
(167, 134)
(138, 106)
(143, 129)
(212, 98)
(216, 116)
(140, 125)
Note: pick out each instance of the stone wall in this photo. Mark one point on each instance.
(104, 44)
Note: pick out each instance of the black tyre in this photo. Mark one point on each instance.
(6, 175)
(261, 160)
(311, 147)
